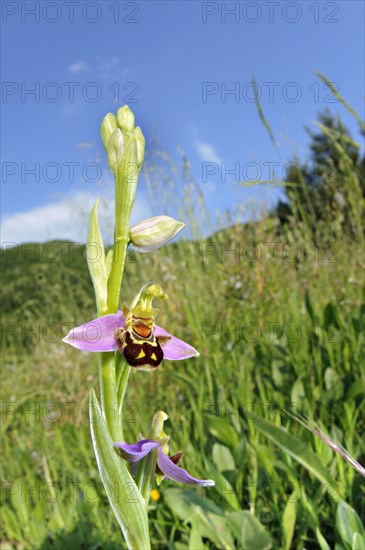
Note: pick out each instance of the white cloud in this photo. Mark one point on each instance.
(110, 67)
(84, 145)
(104, 67)
(79, 67)
(207, 152)
(65, 219)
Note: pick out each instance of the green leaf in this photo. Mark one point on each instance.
(96, 260)
(309, 307)
(312, 511)
(249, 532)
(195, 539)
(188, 504)
(222, 486)
(289, 519)
(348, 523)
(222, 458)
(223, 431)
(109, 262)
(293, 446)
(322, 541)
(126, 501)
(358, 542)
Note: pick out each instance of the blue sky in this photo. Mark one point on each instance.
(174, 64)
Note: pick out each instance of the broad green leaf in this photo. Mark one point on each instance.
(222, 486)
(348, 523)
(187, 504)
(96, 260)
(126, 501)
(289, 519)
(249, 532)
(222, 458)
(195, 539)
(293, 446)
(222, 430)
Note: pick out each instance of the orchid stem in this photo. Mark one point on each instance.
(116, 274)
(112, 406)
(123, 371)
(145, 474)
(108, 392)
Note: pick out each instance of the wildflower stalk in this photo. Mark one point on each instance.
(145, 475)
(133, 333)
(106, 423)
(126, 179)
(107, 380)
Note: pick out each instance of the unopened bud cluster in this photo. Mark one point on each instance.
(118, 134)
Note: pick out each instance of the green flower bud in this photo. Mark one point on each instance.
(140, 142)
(125, 119)
(116, 148)
(154, 233)
(107, 127)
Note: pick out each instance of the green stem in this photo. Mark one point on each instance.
(111, 405)
(123, 370)
(116, 273)
(108, 393)
(145, 474)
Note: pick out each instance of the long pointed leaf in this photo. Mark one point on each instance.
(293, 446)
(125, 499)
(96, 260)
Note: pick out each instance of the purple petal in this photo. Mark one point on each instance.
(175, 349)
(136, 451)
(176, 473)
(97, 335)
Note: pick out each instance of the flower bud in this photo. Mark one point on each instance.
(116, 148)
(107, 127)
(125, 119)
(140, 142)
(154, 233)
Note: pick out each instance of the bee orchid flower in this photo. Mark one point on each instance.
(133, 333)
(166, 465)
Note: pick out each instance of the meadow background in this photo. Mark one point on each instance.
(274, 303)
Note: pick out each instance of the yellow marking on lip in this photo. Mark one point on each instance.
(141, 354)
(153, 356)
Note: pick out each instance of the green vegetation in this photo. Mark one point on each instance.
(275, 308)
